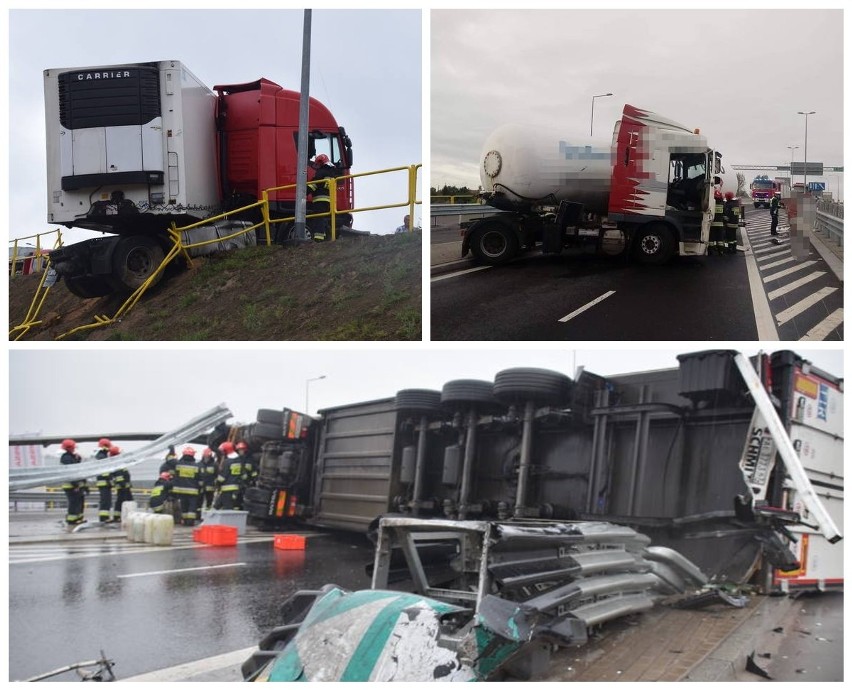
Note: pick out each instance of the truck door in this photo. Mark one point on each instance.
(639, 172)
(111, 127)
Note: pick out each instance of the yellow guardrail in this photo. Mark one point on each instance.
(41, 292)
(179, 247)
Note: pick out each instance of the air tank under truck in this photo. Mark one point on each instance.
(647, 191)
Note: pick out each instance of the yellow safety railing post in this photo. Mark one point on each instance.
(332, 196)
(264, 209)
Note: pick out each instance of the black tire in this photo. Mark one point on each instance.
(134, 260)
(418, 400)
(275, 417)
(263, 431)
(255, 494)
(462, 393)
(654, 244)
(88, 287)
(493, 243)
(542, 386)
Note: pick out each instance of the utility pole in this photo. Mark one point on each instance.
(302, 167)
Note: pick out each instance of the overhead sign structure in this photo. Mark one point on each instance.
(802, 168)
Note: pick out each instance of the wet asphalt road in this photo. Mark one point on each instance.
(144, 615)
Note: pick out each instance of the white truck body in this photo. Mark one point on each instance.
(148, 128)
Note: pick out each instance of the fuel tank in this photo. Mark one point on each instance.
(523, 166)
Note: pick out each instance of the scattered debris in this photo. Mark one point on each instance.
(752, 667)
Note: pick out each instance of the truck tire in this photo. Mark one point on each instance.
(264, 431)
(654, 244)
(462, 393)
(494, 244)
(543, 386)
(88, 287)
(271, 417)
(418, 400)
(134, 260)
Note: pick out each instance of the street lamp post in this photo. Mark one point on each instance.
(810, 112)
(792, 158)
(592, 121)
(307, 389)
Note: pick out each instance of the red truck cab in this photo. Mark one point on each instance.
(257, 126)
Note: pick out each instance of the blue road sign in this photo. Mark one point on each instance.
(816, 186)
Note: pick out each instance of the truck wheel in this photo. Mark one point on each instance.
(494, 244)
(134, 260)
(654, 244)
(88, 287)
(542, 386)
(271, 417)
(418, 400)
(461, 393)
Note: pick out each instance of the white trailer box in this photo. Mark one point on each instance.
(128, 140)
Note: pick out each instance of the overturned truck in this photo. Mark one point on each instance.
(736, 464)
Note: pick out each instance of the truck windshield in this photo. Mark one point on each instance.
(329, 144)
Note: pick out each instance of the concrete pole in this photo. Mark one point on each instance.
(302, 167)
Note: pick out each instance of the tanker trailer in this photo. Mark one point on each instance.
(645, 193)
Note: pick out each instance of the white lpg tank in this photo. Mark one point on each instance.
(524, 165)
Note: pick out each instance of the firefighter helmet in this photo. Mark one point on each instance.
(188, 450)
(242, 445)
(68, 444)
(729, 195)
(717, 194)
(321, 159)
(114, 450)
(226, 447)
(207, 452)
(104, 443)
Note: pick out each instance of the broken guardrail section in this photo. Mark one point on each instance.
(487, 599)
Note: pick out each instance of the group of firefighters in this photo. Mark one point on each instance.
(195, 485)
(76, 490)
(192, 485)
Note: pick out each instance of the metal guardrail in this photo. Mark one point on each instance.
(57, 499)
(830, 226)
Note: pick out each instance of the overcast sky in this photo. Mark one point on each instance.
(366, 67)
(740, 76)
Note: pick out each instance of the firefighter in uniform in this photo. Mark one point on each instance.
(104, 483)
(169, 462)
(187, 485)
(123, 487)
(773, 213)
(321, 195)
(161, 492)
(732, 222)
(250, 470)
(717, 227)
(75, 490)
(230, 478)
(208, 479)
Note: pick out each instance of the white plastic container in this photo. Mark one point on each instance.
(127, 523)
(138, 529)
(126, 508)
(232, 518)
(162, 530)
(148, 528)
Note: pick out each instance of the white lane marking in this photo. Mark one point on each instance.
(181, 570)
(591, 304)
(803, 305)
(789, 287)
(780, 262)
(788, 271)
(184, 672)
(824, 327)
(766, 329)
(776, 248)
(459, 273)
